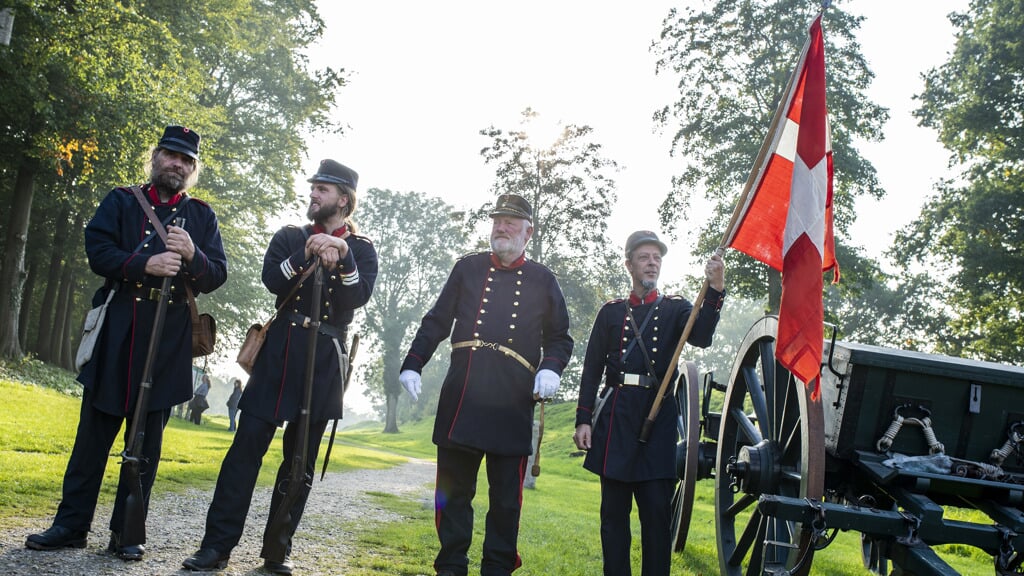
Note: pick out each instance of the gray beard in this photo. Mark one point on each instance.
(507, 248)
(648, 285)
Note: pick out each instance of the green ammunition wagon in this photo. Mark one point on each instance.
(893, 438)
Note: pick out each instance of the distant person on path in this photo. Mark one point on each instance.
(124, 249)
(200, 403)
(629, 335)
(510, 340)
(273, 394)
(236, 395)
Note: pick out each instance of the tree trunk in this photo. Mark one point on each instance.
(774, 290)
(391, 419)
(67, 353)
(45, 339)
(26, 303)
(392, 389)
(12, 271)
(74, 310)
(60, 316)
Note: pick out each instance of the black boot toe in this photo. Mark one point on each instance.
(205, 560)
(57, 537)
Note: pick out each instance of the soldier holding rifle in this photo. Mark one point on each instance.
(631, 347)
(124, 248)
(510, 342)
(275, 392)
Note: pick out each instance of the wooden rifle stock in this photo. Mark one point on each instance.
(133, 531)
(277, 538)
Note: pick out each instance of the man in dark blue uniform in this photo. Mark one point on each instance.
(628, 468)
(273, 394)
(124, 249)
(510, 342)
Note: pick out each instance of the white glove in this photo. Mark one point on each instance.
(412, 382)
(545, 383)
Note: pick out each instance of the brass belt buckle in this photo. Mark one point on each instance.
(305, 321)
(154, 294)
(630, 379)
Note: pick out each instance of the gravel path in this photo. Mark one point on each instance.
(175, 527)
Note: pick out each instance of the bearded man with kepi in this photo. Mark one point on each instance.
(510, 342)
(126, 251)
(273, 394)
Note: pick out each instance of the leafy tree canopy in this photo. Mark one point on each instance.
(973, 225)
(732, 62)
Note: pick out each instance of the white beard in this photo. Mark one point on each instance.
(507, 247)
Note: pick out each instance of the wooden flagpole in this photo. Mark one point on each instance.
(756, 172)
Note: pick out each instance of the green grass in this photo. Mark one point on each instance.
(37, 432)
(559, 528)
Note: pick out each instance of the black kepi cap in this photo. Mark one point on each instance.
(644, 237)
(335, 173)
(512, 205)
(180, 139)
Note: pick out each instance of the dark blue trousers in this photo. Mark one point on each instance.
(653, 503)
(236, 482)
(84, 475)
(457, 471)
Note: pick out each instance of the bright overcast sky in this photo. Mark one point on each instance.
(426, 77)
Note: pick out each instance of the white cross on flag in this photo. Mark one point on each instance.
(786, 222)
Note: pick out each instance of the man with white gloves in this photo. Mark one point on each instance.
(510, 342)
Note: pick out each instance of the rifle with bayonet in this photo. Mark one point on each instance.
(133, 532)
(277, 538)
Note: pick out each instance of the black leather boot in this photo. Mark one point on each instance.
(126, 553)
(57, 537)
(206, 560)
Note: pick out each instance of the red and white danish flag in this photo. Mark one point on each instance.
(786, 218)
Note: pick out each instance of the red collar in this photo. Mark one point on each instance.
(634, 300)
(497, 263)
(340, 232)
(155, 198)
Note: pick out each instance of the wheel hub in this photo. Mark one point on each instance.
(756, 468)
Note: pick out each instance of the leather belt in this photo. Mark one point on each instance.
(498, 347)
(149, 293)
(638, 380)
(325, 328)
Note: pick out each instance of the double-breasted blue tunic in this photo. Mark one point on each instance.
(486, 401)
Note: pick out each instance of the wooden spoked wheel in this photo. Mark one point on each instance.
(687, 450)
(771, 441)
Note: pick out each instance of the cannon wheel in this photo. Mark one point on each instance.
(782, 442)
(688, 424)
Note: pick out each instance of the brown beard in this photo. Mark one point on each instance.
(322, 214)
